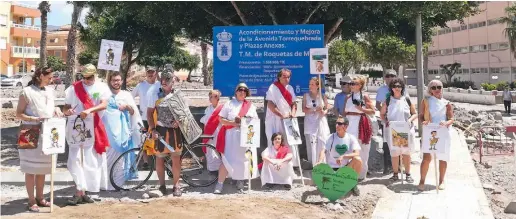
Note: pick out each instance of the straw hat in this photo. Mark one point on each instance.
(248, 93)
(89, 70)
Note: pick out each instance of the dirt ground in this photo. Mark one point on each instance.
(498, 178)
(243, 207)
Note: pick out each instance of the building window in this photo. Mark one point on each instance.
(478, 48)
(498, 46)
(494, 21)
(505, 70)
(465, 70)
(455, 29)
(478, 70)
(55, 40)
(57, 54)
(496, 70)
(464, 27)
(477, 25)
(460, 50)
(446, 51)
(432, 71)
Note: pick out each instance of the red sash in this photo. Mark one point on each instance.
(101, 140)
(284, 92)
(221, 137)
(211, 125)
(282, 153)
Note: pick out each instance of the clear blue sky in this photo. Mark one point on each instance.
(60, 12)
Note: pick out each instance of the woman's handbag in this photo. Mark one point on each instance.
(28, 136)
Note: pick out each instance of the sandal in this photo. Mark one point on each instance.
(395, 177)
(33, 208)
(42, 203)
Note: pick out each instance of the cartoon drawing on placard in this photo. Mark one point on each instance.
(433, 140)
(54, 137)
(250, 134)
(399, 139)
(110, 56)
(291, 127)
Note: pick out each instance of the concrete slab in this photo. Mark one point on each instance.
(463, 196)
(511, 208)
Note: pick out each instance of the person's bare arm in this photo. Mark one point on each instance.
(383, 112)
(287, 158)
(20, 111)
(150, 118)
(224, 121)
(378, 105)
(413, 113)
(102, 106)
(306, 110)
(322, 155)
(274, 108)
(294, 109)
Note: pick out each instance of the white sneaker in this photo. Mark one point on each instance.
(218, 188)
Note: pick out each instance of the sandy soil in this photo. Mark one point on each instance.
(243, 207)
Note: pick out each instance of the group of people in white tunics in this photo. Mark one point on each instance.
(89, 99)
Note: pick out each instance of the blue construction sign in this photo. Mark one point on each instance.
(255, 54)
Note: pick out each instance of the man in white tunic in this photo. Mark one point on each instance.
(141, 90)
(123, 122)
(281, 104)
(87, 160)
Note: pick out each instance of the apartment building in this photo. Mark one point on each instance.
(479, 44)
(18, 31)
(57, 43)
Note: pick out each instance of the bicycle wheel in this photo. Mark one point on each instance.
(194, 169)
(116, 175)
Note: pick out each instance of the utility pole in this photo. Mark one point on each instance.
(419, 70)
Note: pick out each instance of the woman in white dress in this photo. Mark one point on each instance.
(36, 103)
(397, 107)
(358, 108)
(277, 164)
(235, 163)
(436, 110)
(212, 159)
(316, 127)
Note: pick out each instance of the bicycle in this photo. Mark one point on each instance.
(194, 170)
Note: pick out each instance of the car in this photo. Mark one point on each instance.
(3, 77)
(19, 80)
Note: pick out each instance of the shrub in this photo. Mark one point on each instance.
(461, 84)
(488, 86)
(501, 85)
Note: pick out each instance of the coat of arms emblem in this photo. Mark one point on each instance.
(224, 46)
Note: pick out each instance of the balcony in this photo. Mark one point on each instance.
(27, 52)
(23, 30)
(25, 10)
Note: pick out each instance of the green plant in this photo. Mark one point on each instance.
(488, 86)
(461, 84)
(502, 85)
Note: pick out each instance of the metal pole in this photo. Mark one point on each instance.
(419, 70)
(23, 49)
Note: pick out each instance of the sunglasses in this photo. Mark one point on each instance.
(242, 89)
(344, 83)
(341, 124)
(89, 78)
(313, 103)
(352, 83)
(214, 96)
(390, 76)
(397, 86)
(436, 87)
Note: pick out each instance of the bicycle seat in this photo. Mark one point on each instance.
(206, 136)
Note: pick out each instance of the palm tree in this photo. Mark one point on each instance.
(510, 30)
(72, 41)
(44, 8)
(208, 78)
